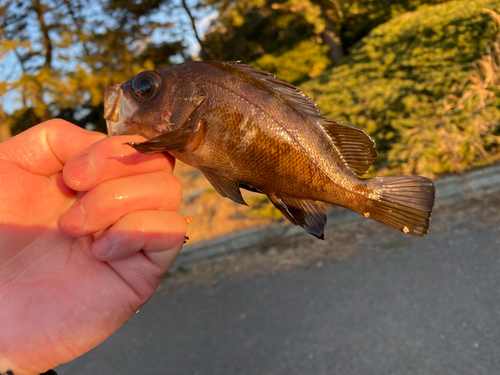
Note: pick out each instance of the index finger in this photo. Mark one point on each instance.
(109, 159)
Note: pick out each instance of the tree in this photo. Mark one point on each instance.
(283, 38)
(297, 39)
(65, 52)
(4, 126)
(419, 86)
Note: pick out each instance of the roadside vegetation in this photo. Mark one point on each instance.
(425, 86)
(422, 77)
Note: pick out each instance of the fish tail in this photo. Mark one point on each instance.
(403, 202)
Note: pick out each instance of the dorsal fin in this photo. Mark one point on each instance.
(273, 85)
(355, 146)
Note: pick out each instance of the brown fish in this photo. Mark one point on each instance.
(245, 128)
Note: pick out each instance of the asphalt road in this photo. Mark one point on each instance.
(395, 304)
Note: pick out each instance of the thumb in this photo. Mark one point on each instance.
(45, 148)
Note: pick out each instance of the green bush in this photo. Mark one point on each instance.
(411, 84)
(307, 59)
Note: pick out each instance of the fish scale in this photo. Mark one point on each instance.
(243, 127)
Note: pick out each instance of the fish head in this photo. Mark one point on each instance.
(142, 105)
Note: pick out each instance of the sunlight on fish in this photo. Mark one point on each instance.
(245, 128)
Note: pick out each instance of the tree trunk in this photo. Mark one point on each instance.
(333, 41)
(45, 32)
(331, 13)
(4, 126)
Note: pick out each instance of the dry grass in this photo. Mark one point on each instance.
(464, 132)
(479, 93)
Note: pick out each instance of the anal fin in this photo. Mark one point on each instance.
(225, 186)
(304, 213)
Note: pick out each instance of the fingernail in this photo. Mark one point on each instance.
(103, 247)
(75, 217)
(81, 168)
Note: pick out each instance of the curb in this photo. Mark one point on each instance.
(449, 190)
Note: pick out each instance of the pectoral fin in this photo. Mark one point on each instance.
(187, 137)
(301, 212)
(168, 141)
(225, 186)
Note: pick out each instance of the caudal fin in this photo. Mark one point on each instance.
(403, 202)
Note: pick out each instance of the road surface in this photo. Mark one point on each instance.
(369, 300)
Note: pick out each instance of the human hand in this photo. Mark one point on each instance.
(86, 232)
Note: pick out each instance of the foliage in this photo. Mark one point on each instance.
(466, 134)
(282, 38)
(66, 52)
(356, 18)
(406, 85)
(297, 39)
(308, 59)
(261, 208)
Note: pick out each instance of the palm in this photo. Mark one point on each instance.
(75, 299)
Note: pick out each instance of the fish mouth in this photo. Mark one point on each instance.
(118, 110)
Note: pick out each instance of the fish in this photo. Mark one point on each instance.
(245, 128)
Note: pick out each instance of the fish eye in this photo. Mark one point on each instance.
(145, 85)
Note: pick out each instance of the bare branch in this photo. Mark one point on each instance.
(204, 53)
(77, 22)
(45, 32)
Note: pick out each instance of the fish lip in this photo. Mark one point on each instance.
(112, 97)
(118, 110)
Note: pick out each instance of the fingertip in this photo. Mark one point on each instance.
(164, 258)
(109, 159)
(160, 234)
(102, 248)
(180, 226)
(73, 220)
(174, 187)
(79, 170)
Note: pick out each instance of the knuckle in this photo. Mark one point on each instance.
(172, 185)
